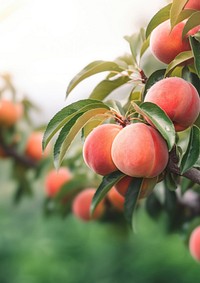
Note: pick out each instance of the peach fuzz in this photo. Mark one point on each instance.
(194, 243)
(178, 98)
(97, 148)
(193, 4)
(81, 205)
(139, 151)
(10, 112)
(116, 199)
(55, 179)
(166, 44)
(33, 147)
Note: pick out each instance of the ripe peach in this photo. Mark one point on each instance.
(194, 243)
(166, 44)
(97, 148)
(10, 112)
(116, 199)
(55, 179)
(34, 147)
(139, 151)
(193, 4)
(81, 205)
(178, 98)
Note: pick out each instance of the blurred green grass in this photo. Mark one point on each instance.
(36, 249)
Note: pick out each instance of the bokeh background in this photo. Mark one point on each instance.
(43, 45)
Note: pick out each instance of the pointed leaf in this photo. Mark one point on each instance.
(193, 150)
(195, 44)
(131, 199)
(64, 115)
(107, 183)
(161, 16)
(177, 7)
(179, 59)
(184, 14)
(71, 129)
(156, 116)
(136, 41)
(193, 21)
(144, 47)
(154, 77)
(105, 87)
(92, 69)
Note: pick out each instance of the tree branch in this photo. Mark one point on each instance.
(193, 174)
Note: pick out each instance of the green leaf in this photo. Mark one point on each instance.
(69, 189)
(195, 44)
(71, 129)
(161, 16)
(92, 69)
(184, 14)
(64, 115)
(105, 87)
(193, 21)
(159, 119)
(179, 59)
(193, 150)
(191, 77)
(136, 42)
(107, 183)
(144, 46)
(176, 8)
(154, 77)
(131, 199)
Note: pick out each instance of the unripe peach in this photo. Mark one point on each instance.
(139, 151)
(193, 4)
(34, 147)
(178, 98)
(97, 148)
(81, 205)
(116, 199)
(166, 44)
(10, 112)
(194, 243)
(56, 179)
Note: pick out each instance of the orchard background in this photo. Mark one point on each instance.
(47, 233)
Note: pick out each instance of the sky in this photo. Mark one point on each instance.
(44, 43)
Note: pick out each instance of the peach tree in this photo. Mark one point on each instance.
(146, 143)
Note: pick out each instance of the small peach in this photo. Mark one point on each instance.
(81, 205)
(34, 147)
(194, 243)
(55, 179)
(116, 199)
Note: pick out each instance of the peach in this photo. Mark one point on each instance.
(81, 205)
(166, 44)
(193, 4)
(10, 112)
(139, 150)
(123, 184)
(178, 98)
(97, 148)
(56, 179)
(194, 243)
(116, 199)
(34, 147)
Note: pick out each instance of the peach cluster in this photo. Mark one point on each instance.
(137, 150)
